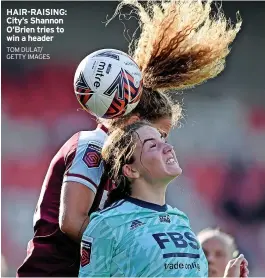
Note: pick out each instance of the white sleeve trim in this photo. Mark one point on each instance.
(80, 180)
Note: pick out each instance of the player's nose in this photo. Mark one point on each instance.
(210, 258)
(167, 148)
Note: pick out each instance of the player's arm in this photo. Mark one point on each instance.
(79, 188)
(97, 247)
(76, 201)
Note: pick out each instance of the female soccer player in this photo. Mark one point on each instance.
(179, 46)
(219, 248)
(138, 234)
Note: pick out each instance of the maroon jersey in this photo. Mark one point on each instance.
(51, 252)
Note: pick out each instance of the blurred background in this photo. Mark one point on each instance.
(220, 145)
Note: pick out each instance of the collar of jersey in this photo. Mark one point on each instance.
(103, 128)
(147, 205)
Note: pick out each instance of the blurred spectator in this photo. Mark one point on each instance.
(219, 248)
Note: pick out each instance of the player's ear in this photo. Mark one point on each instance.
(130, 171)
(133, 119)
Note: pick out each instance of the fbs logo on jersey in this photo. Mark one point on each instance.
(164, 218)
(135, 224)
(92, 156)
(86, 247)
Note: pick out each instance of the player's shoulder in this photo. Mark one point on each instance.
(82, 138)
(104, 218)
(96, 217)
(116, 214)
(178, 213)
(97, 136)
(112, 210)
(98, 225)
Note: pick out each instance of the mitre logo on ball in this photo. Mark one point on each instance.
(108, 83)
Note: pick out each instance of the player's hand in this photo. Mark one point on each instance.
(237, 268)
(244, 269)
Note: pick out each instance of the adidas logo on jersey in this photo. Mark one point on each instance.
(164, 218)
(135, 224)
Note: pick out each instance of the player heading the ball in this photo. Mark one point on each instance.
(108, 83)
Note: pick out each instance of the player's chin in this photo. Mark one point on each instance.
(213, 273)
(174, 170)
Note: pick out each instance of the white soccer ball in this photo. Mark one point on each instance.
(108, 83)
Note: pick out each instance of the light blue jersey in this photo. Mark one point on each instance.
(135, 238)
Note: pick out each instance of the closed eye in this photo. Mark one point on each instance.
(219, 254)
(153, 146)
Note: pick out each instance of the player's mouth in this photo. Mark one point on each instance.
(212, 272)
(171, 161)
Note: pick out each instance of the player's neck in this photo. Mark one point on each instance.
(104, 122)
(149, 193)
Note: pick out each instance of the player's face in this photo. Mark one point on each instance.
(164, 124)
(218, 254)
(154, 158)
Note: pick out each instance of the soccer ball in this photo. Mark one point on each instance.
(108, 83)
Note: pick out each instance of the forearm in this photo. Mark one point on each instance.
(75, 228)
(76, 201)
(83, 227)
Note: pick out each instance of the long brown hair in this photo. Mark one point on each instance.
(181, 44)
